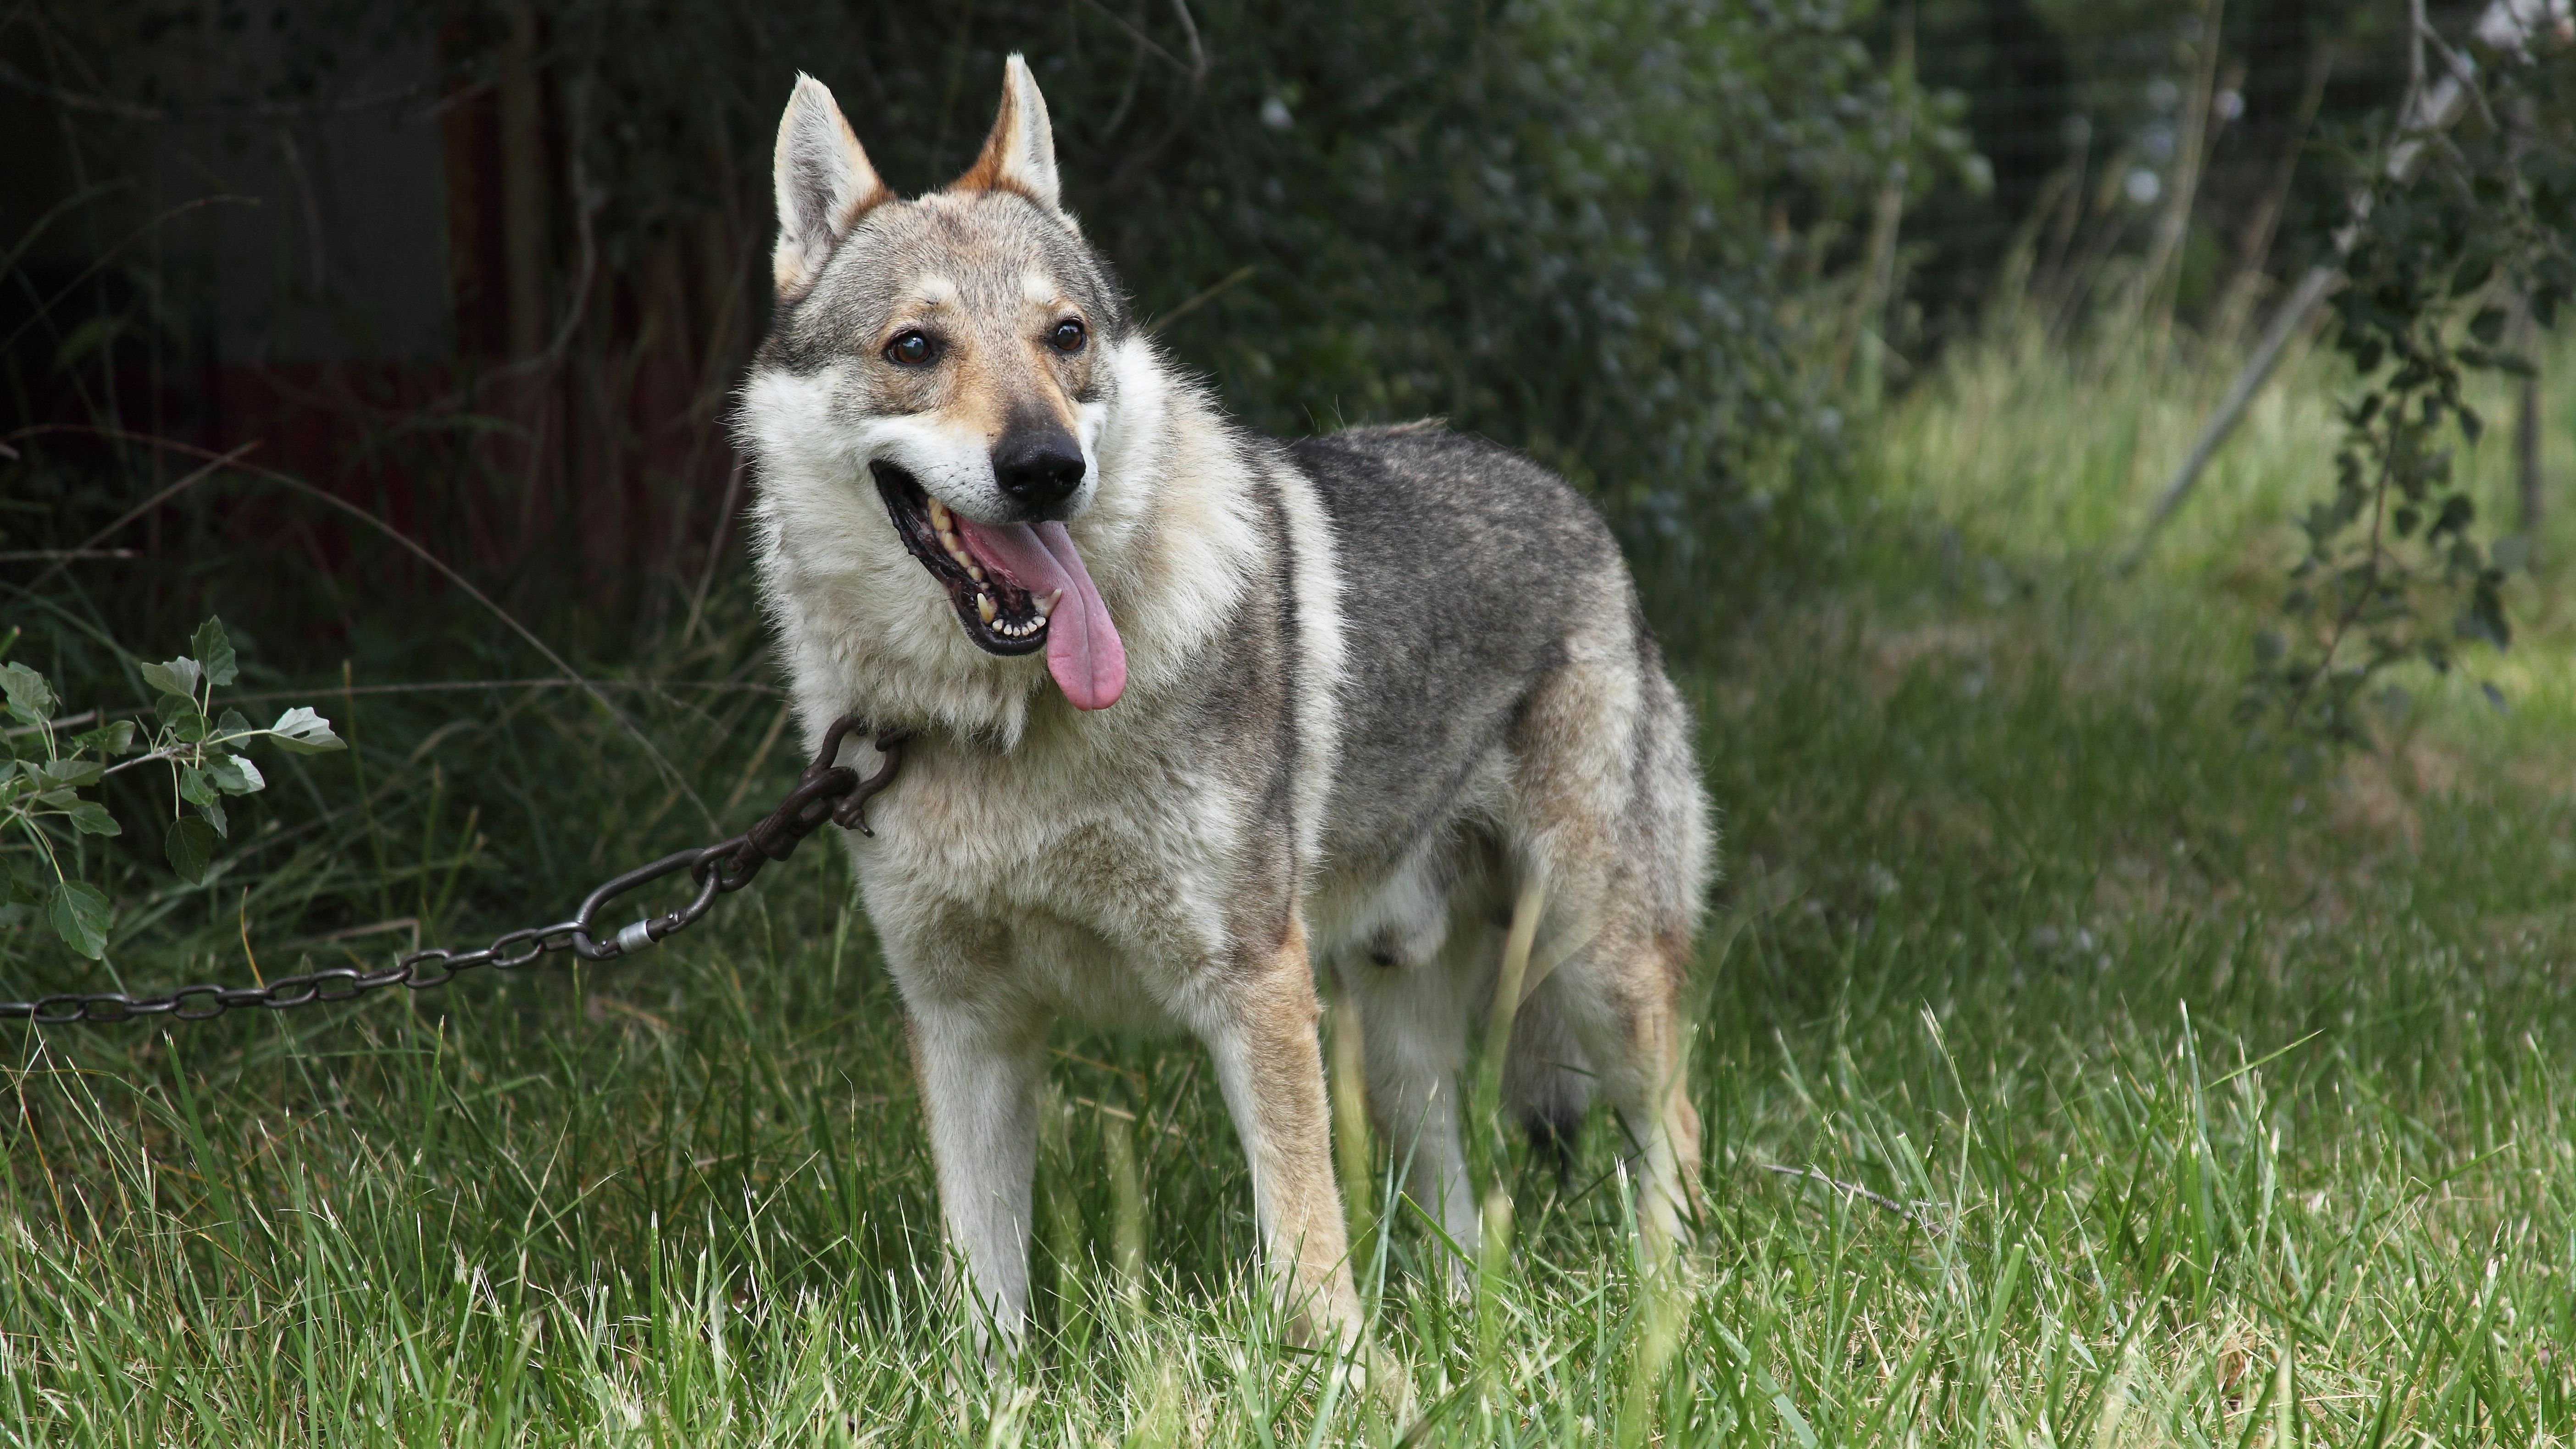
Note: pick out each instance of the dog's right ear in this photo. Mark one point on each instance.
(825, 185)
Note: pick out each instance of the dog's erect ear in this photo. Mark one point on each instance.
(825, 185)
(1020, 154)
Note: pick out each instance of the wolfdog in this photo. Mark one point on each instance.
(1200, 716)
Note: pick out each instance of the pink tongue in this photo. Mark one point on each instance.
(1083, 652)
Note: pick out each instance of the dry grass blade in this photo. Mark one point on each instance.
(1913, 1214)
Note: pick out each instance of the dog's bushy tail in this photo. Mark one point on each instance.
(1547, 1083)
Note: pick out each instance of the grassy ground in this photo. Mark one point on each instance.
(2181, 1096)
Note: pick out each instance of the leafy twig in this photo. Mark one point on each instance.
(41, 781)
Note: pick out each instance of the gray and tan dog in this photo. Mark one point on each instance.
(1201, 713)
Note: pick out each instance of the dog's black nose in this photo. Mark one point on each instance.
(1038, 469)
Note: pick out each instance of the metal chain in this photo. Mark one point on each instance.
(826, 791)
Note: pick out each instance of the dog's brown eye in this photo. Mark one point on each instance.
(1067, 336)
(912, 349)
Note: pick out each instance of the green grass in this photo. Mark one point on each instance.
(2210, 1102)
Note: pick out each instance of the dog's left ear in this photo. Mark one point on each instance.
(1020, 154)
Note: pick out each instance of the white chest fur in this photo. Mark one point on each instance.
(1084, 871)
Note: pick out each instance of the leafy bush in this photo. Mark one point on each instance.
(2442, 259)
(43, 815)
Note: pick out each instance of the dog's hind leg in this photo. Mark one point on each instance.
(1611, 821)
(1626, 1013)
(1413, 1030)
(979, 1091)
(1547, 1081)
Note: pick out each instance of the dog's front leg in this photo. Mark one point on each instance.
(979, 1082)
(1272, 1073)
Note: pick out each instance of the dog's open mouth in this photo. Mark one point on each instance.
(999, 615)
(1017, 588)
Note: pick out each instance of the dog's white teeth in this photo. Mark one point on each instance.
(1047, 605)
(984, 606)
(939, 516)
(955, 548)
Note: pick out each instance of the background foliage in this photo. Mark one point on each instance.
(2442, 265)
(1551, 222)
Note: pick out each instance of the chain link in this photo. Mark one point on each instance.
(826, 791)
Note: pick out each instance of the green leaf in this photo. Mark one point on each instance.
(194, 787)
(216, 649)
(305, 733)
(91, 818)
(80, 916)
(2458, 512)
(180, 677)
(232, 725)
(116, 737)
(191, 847)
(213, 810)
(31, 699)
(66, 774)
(234, 775)
(2488, 325)
(183, 717)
